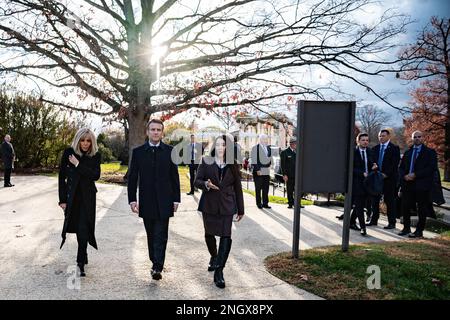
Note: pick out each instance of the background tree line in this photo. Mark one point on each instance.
(40, 134)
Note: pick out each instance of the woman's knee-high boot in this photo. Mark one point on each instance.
(212, 248)
(222, 256)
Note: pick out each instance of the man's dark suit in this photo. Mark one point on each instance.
(195, 153)
(419, 190)
(261, 162)
(359, 192)
(287, 158)
(8, 158)
(389, 167)
(159, 188)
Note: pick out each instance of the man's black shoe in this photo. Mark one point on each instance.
(363, 232)
(290, 207)
(267, 207)
(156, 275)
(354, 227)
(416, 235)
(404, 232)
(81, 267)
(390, 226)
(341, 217)
(189, 193)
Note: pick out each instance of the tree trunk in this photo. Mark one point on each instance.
(137, 121)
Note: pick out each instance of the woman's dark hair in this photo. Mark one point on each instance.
(235, 168)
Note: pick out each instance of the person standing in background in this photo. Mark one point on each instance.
(287, 158)
(387, 156)
(195, 155)
(261, 162)
(417, 170)
(8, 157)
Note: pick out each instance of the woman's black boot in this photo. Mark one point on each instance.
(222, 256)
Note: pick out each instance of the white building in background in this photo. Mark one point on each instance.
(277, 127)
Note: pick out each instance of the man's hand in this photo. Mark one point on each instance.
(365, 174)
(239, 217)
(375, 166)
(175, 207)
(258, 172)
(134, 207)
(63, 206)
(285, 178)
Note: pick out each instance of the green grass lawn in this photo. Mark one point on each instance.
(415, 269)
(280, 200)
(185, 185)
(113, 167)
(444, 183)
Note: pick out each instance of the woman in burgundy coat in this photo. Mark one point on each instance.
(222, 198)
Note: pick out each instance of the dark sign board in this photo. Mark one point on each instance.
(325, 129)
(325, 156)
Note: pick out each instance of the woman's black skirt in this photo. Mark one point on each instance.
(218, 225)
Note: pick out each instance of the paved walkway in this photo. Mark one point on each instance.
(33, 267)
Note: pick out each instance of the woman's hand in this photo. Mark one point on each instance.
(210, 185)
(63, 206)
(73, 160)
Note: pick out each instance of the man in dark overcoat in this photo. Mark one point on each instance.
(159, 191)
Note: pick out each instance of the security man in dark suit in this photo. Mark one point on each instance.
(159, 191)
(363, 164)
(195, 153)
(287, 158)
(387, 156)
(8, 156)
(417, 172)
(261, 162)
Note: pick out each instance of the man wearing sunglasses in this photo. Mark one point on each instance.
(416, 171)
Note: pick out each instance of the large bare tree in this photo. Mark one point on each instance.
(95, 55)
(372, 120)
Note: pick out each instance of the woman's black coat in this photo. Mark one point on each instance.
(82, 177)
(229, 200)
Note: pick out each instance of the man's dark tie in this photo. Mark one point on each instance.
(364, 160)
(413, 160)
(381, 156)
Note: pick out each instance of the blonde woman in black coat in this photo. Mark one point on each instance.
(222, 198)
(78, 171)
